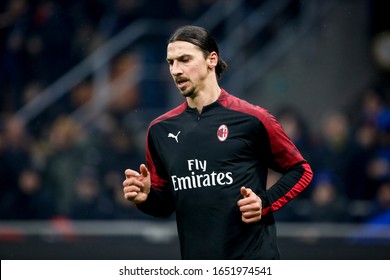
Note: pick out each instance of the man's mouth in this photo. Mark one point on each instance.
(181, 82)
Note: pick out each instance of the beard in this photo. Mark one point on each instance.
(187, 90)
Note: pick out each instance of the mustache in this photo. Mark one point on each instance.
(181, 79)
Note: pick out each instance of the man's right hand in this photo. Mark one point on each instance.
(136, 186)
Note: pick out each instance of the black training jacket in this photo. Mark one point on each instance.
(198, 163)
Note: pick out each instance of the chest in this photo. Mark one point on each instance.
(207, 142)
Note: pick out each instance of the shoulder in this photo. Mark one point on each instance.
(232, 102)
(170, 114)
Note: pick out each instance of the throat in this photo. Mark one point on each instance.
(202, 100)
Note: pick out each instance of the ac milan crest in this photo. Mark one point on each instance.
(222, 133)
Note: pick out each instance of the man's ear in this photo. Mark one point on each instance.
(212, 59)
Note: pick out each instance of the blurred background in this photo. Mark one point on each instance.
(80, 80)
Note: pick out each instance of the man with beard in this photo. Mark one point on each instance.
(207, 160)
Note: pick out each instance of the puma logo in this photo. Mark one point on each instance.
(171, 135)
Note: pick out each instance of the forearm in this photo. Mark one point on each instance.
(289, 186)
(158, 204)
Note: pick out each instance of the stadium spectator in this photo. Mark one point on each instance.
(30, 201)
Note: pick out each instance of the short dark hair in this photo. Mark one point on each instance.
(201, 38)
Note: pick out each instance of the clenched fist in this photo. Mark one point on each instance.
(136, 186)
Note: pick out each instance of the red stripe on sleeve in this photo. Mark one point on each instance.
(302, 184)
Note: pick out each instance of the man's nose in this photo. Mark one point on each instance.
(175, 68)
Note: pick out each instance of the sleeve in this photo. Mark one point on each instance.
(283, 157)
(160, 202)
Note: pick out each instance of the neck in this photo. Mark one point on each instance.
(204, 97)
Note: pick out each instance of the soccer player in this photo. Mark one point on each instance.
(207, 160)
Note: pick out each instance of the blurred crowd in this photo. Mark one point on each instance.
(350, 157)
(54, 167)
